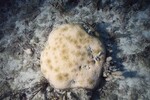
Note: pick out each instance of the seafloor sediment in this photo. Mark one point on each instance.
(124, 27)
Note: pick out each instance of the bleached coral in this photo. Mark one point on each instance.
(72, 58)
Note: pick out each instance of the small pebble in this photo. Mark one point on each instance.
(108, 59)
(104, 74)
(110, 51)
(109, 78)
(25, 61)
(119, 77)
(117, 73)
(28, 51)
(108, 74)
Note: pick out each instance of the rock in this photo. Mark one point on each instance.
(68, 60)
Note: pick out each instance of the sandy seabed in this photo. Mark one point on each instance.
(124, 28)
